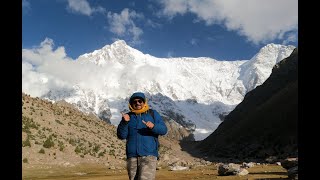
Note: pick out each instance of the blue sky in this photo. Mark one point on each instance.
(224, 30)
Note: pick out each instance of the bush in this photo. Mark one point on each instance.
(25, 160)
(61, 146)
(101, 154)
(59, 122)
(111, 152)
(26, 142)
(48, 143)
(77, 150)
(42, 151)
(96, 148)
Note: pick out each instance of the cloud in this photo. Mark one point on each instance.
(258, 21)
(25, 4)
(44, 53)
(193, 41)
(291, 37)
(152, 24)
(43, 68)
(46, 68)
(170, 54)
(26, 7)
(83, 7)
(173, 7)
(124, 26)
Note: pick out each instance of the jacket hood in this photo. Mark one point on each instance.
(137, 95)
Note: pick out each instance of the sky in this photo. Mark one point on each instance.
(219, 29)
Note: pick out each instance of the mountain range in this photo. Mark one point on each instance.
(196, 92)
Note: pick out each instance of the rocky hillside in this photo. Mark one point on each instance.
(60, 134)
(264, 124)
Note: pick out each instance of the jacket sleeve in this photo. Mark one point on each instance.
(160, 127)
(122, 130)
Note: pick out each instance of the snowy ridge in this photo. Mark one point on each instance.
(195, 92)
(255, 71)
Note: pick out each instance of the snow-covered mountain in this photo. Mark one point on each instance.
(195, 92)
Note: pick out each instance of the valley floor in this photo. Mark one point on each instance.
(90, 172)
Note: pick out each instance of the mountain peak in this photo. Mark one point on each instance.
(275, 49)
(255, 71)
(117, 52)
(119, 42)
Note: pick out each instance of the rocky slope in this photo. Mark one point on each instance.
(264, 124)
(60, 134)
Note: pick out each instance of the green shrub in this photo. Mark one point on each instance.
(61, 146)
(59, 122)
(25, 160)
(101, 154)
(42, 151)
(111, 152)
(27, 124)
(48, 143)
(26, 142)
(72, 142)
(96, 148)
(77, 150)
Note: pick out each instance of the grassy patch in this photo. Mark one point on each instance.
(97, 172)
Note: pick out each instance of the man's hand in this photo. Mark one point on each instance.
(149, 124)
(125, 116)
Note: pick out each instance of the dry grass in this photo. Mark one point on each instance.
(95, 172)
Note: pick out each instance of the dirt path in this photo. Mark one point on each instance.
(273, 172)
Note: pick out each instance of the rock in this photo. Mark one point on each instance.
(289, 163)
(293, 173)
(271, 159)
(247, 165)
(242, 172)
(228, 169)
(178, 168)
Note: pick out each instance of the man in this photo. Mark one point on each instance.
(141, 130)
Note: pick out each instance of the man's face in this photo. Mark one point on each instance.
(137, 104)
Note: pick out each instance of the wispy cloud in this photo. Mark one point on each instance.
(152, 24)
(170, 54)
(25, 4)
(124, 25)
(258, 21)
(193, 41)
(291, 37)
(26, 7)
(214, 37)
(173, 7)
(83, 7)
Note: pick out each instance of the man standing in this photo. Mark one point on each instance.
(141, 130)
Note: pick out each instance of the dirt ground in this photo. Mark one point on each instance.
(91, 172)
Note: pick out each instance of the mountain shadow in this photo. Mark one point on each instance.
(264, 124)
